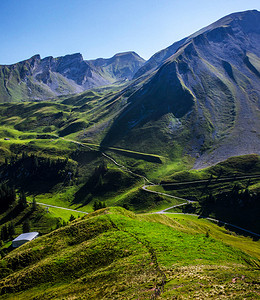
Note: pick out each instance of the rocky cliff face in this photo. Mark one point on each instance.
(38, 78)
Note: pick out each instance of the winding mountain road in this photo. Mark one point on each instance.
(145, 188)
(186, 201)
(164, 211)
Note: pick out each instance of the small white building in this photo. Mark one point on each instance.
(24, 238)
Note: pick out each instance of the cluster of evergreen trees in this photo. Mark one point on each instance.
(7, 196)
(98, 205)
(237, 196)
(31, 167)
(7, 231)
(95, 183)
(98, 175)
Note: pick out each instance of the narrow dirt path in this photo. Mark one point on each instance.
(159, 285)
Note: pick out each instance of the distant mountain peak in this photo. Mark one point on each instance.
(37, 78)
(128, 53)
(73, 56)
(36, 56)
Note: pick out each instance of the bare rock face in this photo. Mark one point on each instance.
(38, 78)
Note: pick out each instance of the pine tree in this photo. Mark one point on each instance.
(34, 204)
(59, 223)
(11, 230)
(95, 206)
(4, 233)
(22, 200)
(26, 226)
(7, 196)
(72, 218)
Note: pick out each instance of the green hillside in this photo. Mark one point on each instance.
(228, 191)
(60, 139)
(115, 254)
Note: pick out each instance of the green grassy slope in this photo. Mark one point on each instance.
(115, 254)
(33, 218)
(49, 129)
(34, 128)
(233, 166)
(220, 191)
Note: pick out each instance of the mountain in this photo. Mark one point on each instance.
(131, 145)
(203, 100)
(40, 79)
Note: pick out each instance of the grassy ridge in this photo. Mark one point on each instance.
(233, 166)
(115, 254)
(231, 200)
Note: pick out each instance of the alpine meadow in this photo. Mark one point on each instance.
(139, 177)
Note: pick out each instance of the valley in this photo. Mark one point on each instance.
(141, 177)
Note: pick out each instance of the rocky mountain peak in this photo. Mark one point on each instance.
(36, 57)
(72, 57)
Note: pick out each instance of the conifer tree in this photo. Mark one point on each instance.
(4, 233)
(11, 230)
(72, 218)
(34, 204)
(22, 200)
(26, 226)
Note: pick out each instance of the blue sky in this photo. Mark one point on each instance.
(101, 28)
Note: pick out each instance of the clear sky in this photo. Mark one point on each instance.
(101, 28)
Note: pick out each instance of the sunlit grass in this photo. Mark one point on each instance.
(63, 213)
(115, 254)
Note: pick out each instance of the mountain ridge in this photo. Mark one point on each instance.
(161, 56)
(40, 79)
